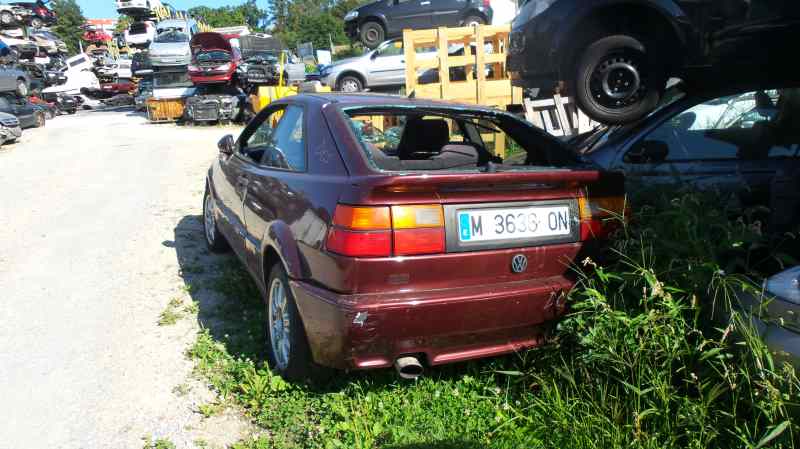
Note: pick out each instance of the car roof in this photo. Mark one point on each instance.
(384, 100)
(173, 22)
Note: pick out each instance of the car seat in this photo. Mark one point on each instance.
(423, 139)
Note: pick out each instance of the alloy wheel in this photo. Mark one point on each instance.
(350, 85)
(209, 220)
(279, 324)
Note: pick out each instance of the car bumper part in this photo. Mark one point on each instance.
(169, 60)
(364, 331)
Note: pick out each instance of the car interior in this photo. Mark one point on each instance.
(401, 141)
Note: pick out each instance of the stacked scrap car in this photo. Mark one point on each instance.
(266, 59)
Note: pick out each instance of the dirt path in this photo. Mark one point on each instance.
(88, 210)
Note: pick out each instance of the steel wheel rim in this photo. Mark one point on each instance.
(372, 35)
(208, 214)
(349, 85)
(616, 82)
(279, 327)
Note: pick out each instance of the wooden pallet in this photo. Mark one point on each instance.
(559, 116)
(490, 44)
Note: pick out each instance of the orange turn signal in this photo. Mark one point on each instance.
(362, 218)
(422, 216)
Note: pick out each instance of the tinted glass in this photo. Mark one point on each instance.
(214, 56)
(751, 125)
(168, 37)
(289, 139)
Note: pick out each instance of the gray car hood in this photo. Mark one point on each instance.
(169, 49)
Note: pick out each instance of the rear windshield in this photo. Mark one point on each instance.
(138, 28)
(413, 139)
(215, 55)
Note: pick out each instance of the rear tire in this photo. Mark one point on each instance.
(287, 347)
(349, 83)
(6, 18)
(474, 21)
(41, 120)
(215, 241)
(617, 80)
(372, 33)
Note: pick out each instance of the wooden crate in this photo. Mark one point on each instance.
(490, 46)
(165, 110)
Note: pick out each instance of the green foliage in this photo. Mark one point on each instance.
(248, 13)
(123, 22)
(70, 19)
(651, 356)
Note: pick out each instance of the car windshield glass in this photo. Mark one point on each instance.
(266, 55)
(215, 56)
(412, 139)
(172, 36)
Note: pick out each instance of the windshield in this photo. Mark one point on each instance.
(270, 55)
(48, 35)
(171, 37)
(214, 55)
(399, 139)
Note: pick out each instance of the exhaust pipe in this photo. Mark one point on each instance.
(408, 367)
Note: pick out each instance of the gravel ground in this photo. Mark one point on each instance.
(88, 212)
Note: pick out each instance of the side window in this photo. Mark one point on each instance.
(280, 141)
(393, 49)
(738, 126)
(288, 149)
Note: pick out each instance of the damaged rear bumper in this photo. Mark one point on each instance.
(364, 331)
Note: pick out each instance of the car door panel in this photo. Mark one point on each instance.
(387, 70)
(230, 185)
(412, 14)
(447, 12)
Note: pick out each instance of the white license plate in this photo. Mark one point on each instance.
(480, 225)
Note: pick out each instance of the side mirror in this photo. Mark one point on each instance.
(374, 54)
(648, 152)
(226, 145)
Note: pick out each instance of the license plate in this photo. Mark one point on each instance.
(480, 225)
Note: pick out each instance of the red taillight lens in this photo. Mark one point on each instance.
(409, 242)
(360, 231)
(360, 243)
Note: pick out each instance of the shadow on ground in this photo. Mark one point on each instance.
(231, 308)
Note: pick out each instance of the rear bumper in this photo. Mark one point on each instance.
(365, 331)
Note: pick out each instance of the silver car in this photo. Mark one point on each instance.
(384, 66)
(776, 314)
(171, 44)
(10, 129)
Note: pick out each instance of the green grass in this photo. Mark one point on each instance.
(649, 357)
(172, 313)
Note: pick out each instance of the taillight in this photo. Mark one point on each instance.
(418, 229)
(384, 231)
(601, 215)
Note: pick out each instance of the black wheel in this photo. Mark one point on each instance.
(287, 347)
(40, 120)
(6, 18)
(214, 239)
(472, 21)
(349, 83)
(37, 22)
(372, 33)
(617, 81)
(22, 88)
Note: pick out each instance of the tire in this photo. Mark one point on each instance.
(617, 80)
(6, 18)
(22, 88)
(288, 355)
(474, 20)
(37, 22)
(349, 83)
(215, 241)
(41, 120)
(372, 33)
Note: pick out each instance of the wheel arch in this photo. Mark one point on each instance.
(665, 15)
(475, 12)
(279, 245)
(380, 18)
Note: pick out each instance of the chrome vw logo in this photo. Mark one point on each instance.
(519, 263)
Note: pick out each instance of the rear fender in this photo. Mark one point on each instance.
(279, 238)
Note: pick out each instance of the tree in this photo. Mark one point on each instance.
(247, 13)
(69, 23)
(123, 23)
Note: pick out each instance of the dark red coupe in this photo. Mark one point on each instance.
(385, 231)
(214, 59)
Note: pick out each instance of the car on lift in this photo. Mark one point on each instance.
(171, 44)
(14, 15)
(616, 57)
(41, 15)
(140, 34)
(386, 231)
(375, 22)
(214, 59)
(137, 8)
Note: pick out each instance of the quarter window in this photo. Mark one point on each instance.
(280, 140)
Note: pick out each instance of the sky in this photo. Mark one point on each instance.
(106, 9)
